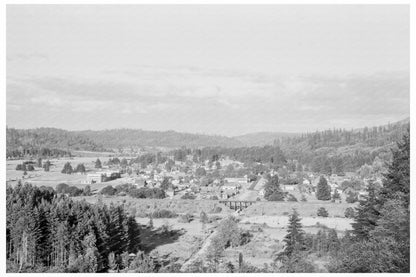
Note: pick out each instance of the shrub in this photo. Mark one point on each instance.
(352, 197)
(108, 190)
(277, 196)
(216, 210)
(336, 195)
(291, 198)
(74, 191)
(349, 213)
(163, 214)
(203, 217)
(322, 212)
(61, 188)
(188, 196)
(303, 199)
(147, 193)
(186, 218)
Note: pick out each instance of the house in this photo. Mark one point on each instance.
(170, 193)
(288, 187)
(95, 178)
(241, 181)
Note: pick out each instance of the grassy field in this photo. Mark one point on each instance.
(54, 176)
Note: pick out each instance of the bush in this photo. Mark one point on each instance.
(352, 197)
(291, 198)
(188, 196)
(186, 218)
(277, 196)
(349, 213)
(216, 210)
(303, 199)
(61, 188)
(147, 193)
(322, 212)
(74, 191)
(203, 217)
(108, 190)
(163, 214)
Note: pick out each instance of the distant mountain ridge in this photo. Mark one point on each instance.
(117, 138)
(90, 140)
(263, 138)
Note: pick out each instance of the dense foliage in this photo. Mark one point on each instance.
(47, 232)
(46, 142)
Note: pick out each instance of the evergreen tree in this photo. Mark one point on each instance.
(272, 190)
(294, 239)
(367, 214)
(323, 190)
(67, 168)
(98, 164)
(47, 165)
(80, 168)
(90, 261)
(39, 162)
(397, 178)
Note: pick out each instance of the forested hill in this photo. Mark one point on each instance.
(46, 141)
(262, 138)
(295, 146)
(337, 151)
(119, 138)
(373, 136)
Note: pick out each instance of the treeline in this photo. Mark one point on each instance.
(122, 138)
(338, 151)
(133, 191)
(373, 136)
(21, 152)
(46, 142)
(265, 154)
(46, 232)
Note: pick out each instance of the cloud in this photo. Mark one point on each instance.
(195, 96)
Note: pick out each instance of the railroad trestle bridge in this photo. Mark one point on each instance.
(237, 204)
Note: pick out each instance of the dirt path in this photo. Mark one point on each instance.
(200, 254)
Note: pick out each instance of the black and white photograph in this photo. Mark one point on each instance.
(207, 138)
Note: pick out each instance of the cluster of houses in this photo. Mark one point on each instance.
(182, 179)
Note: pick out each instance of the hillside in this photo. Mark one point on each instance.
(33, 141)
(337, 151)
(302, 147)
(262, 138)
(120, 138)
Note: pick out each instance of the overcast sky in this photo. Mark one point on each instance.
(208, 69)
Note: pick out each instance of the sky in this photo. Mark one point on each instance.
(215, 69)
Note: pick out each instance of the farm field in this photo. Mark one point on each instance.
(52, 178)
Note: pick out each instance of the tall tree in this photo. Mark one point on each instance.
(323, 190)
(294, 239)
(98, 163)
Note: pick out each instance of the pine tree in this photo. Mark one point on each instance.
(367, 213)
(80, 168)
(98, 163)
(90, 263)
(272, 190)
(67, 168)
(397, 178)
(294, 239)
(323, 190)
(46, 165)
